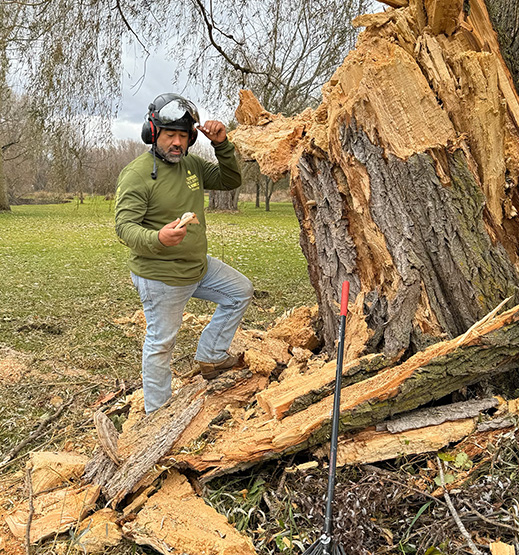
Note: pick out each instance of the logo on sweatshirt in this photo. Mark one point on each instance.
(192, 181)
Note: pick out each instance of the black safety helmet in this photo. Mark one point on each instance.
(170, 111)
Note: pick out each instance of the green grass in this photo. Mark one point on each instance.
(64, 281)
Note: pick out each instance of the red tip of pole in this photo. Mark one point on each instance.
(345, 294)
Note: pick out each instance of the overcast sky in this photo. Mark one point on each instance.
(138, 91)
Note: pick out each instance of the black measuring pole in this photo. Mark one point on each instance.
(328, 519)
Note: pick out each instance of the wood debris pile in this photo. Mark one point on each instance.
(278, 404)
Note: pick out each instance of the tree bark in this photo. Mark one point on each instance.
(505, 20)
(405, 179)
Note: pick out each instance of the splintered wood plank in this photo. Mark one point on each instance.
(54, 512)
(371, 446)
(486, 349)
(51, 469)
(297, 393)
(176, 520)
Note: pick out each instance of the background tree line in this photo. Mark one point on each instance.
(50, 167)
(63, 57)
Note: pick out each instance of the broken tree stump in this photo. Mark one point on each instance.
(442, 368)
(405, 178)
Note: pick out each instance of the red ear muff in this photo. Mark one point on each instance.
(150, 132)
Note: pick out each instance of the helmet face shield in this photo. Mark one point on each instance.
(170, 111)
(177, 111)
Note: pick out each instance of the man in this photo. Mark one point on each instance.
(168, 264)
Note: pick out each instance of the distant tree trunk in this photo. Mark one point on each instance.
(269, 186)
(4, 198)
(405, 180)
(224, 200)
(258, 193)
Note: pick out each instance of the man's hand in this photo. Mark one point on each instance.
(169, 236)
(214, 130)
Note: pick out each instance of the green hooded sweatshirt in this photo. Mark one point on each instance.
(144, 205)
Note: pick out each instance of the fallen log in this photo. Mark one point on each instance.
(432, 374)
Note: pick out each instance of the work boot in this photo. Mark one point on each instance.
(211, 370)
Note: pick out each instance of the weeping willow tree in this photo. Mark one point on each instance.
(66, 54)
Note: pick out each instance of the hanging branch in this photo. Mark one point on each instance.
(210, 27)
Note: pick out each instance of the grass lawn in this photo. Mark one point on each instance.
(64, 283)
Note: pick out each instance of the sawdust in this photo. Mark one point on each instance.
(13, 366)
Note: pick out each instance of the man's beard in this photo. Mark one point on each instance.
(173, 157)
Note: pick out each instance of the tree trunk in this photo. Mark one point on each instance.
(224, 200)
(258, 193)
(405, 179)
(4, 198)
(269, 189)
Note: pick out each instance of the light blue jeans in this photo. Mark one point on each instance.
(164, 306)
